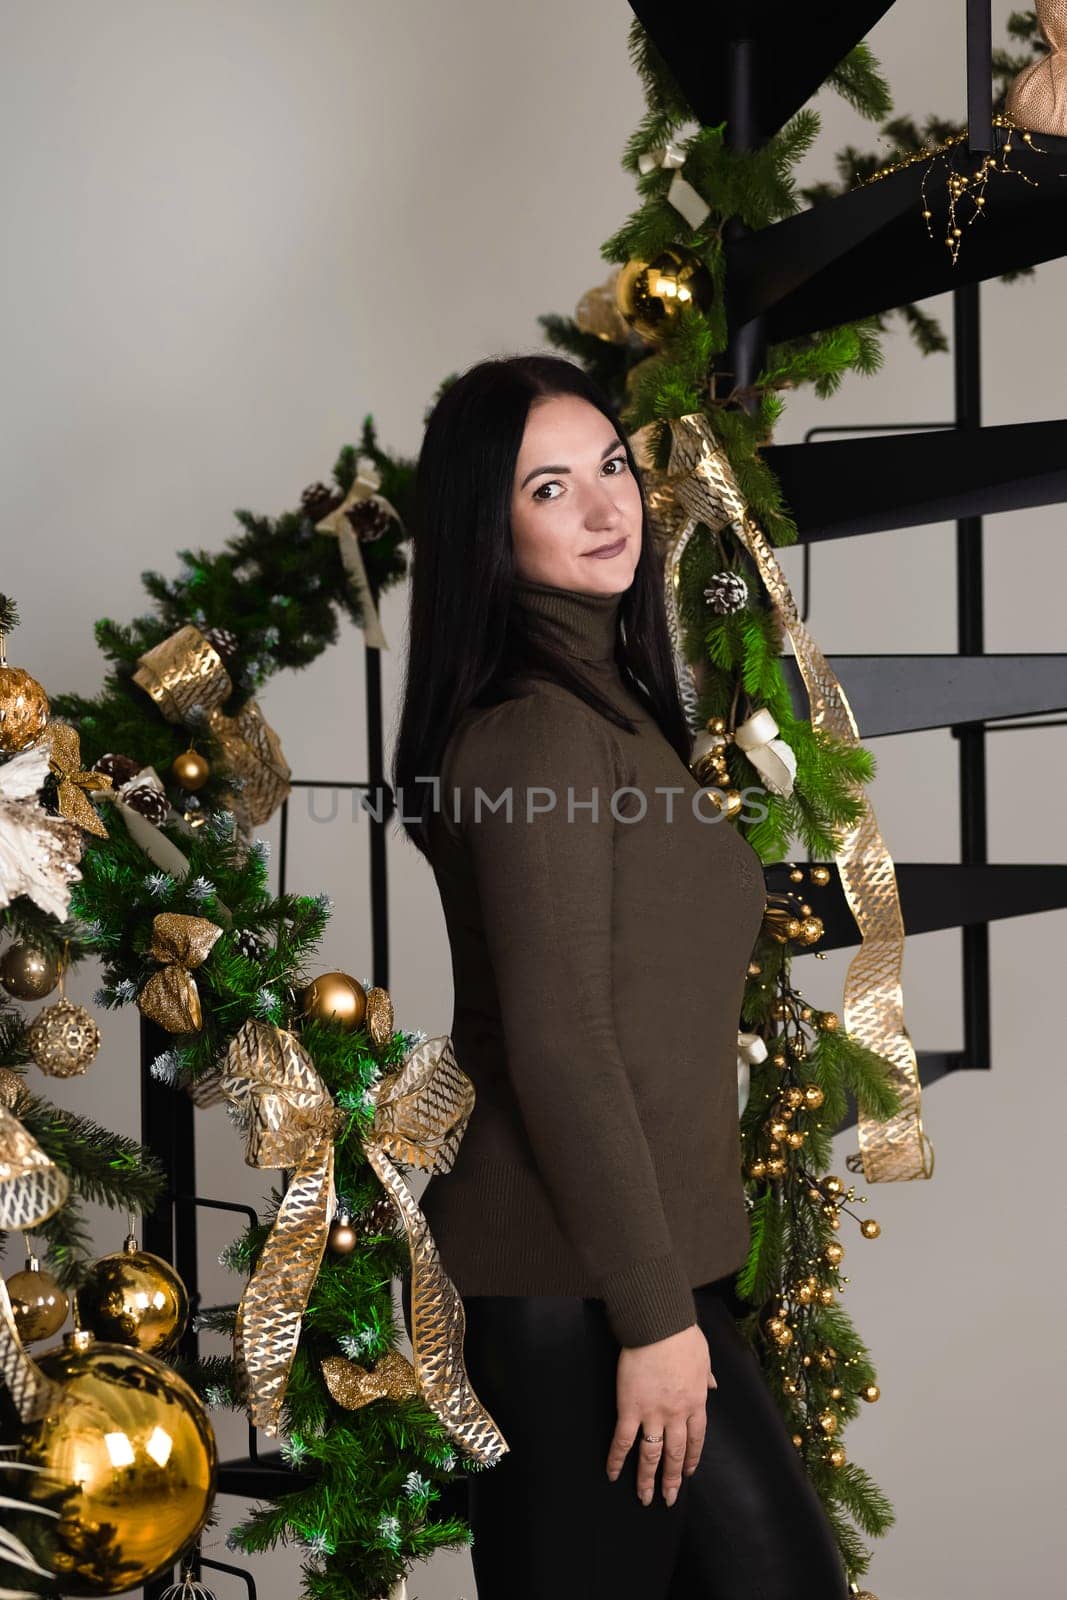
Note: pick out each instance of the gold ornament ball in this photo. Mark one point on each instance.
(23, 710)
(38, 1303)
(131, 1446)
(28, 973)
(836, 1456)
(342, 1237)
(827, 1421)
(834, 1253)
(652, 294)
(820, 875)
(813, 1096)
(798, 1440)
(190, 770)
(869, 1228)
(63, 1039)
(832, 1185)
(335, 997)
(870, 1392)
(134, 1298)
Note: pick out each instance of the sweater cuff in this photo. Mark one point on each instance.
(648, 1301)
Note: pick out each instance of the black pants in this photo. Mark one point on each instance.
(547, 1522)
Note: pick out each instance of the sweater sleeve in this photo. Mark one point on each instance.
(545, 880)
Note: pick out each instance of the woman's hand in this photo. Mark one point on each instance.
(662, 1388)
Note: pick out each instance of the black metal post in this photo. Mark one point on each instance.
(967, 355)
(380, 802)
(744, 356)
(980, 132)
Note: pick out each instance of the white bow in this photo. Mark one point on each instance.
(681, 194)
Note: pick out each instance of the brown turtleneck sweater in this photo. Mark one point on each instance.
(598, 963)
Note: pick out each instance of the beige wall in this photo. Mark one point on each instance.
(234, 228)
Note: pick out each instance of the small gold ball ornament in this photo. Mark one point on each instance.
(836, 1456)
(870, 1392)
(335, 997)
(28, 973)
(869, 1228)
(342, 1236)
(24, 709)
(131, 1445)
(190, 770)
(651, 294)
(38, 1302)
(63, 1039)
(134, 1298)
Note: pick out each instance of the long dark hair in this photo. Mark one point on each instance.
(467, 645)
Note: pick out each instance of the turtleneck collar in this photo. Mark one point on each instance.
(586, 625)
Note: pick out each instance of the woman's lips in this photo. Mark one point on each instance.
(608, 550)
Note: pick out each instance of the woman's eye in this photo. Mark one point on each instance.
(554, 483)
(539, 495)
(616, 461)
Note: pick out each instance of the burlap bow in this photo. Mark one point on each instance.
(186, 671)
(32, 1189)
(65, 763)
(420, 1114)
(365, 486)
(170, 997)
(699, 487)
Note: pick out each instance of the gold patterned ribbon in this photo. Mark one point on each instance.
(170, 997)
(32, 1189)
(701, 487)
(186, 671)
(364, 486)
(64, 760)
(420, 1114)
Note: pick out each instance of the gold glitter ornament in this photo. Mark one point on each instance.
(870, 1392)
(335, 997)
(651, 294)
(190, 770)
(869, 1228)
(23, 709)
(134, 1298)
(13, 1090)
(63, 1039)
(129, 1448)
(38, 1303)
(353, 1386)
(378, 1019)
(28, 973)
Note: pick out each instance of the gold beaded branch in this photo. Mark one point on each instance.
(962, 187)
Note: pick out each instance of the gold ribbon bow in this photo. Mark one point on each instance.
(186, 670)
(32, 1189)
(365, 486)
(64, 761)
(700, 487)
(170, 997)
(680, 194)
(420, 1114)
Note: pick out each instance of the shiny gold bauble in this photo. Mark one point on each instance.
(826, 1295)
(837, 1393)
(795, 1138)
(870, 1392)
(758, 1169)
(827, 1421)
(23, 710)
(335, 997)
(836, 1456)
(342, 1237)
(134, 1298)
(63, 1039)
(190, 770)
(776, 1167)
(790, 1386)
(870, 1229)
(38, 1303)
(778, 1129)
(651, 294)
(774, 1326)
(811, 930)
(820, 875)
(28, 973)
(813, 1096)
(834, 1253)
(805, 1294)
(129, 1461)
(798, 1440)
(832, 1185)
(829, 1022)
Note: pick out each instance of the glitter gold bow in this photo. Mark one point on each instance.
(186, 671)
(699, 486)
(365, 486)
(170, 997)
(64, 762)
(32, 1189)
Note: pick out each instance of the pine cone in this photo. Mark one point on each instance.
(149, 802)
(120, 769)
(381, 1218)
(726, 593)
(369, 519)
(225, 642)
(317, 501)
(248, 944)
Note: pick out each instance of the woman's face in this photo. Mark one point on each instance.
(573, 494)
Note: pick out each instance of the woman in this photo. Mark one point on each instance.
(601, 916)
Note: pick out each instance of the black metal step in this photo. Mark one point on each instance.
(936, 895)
(868, 250)
(793, 48)
(938, 475)
(909, 693)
